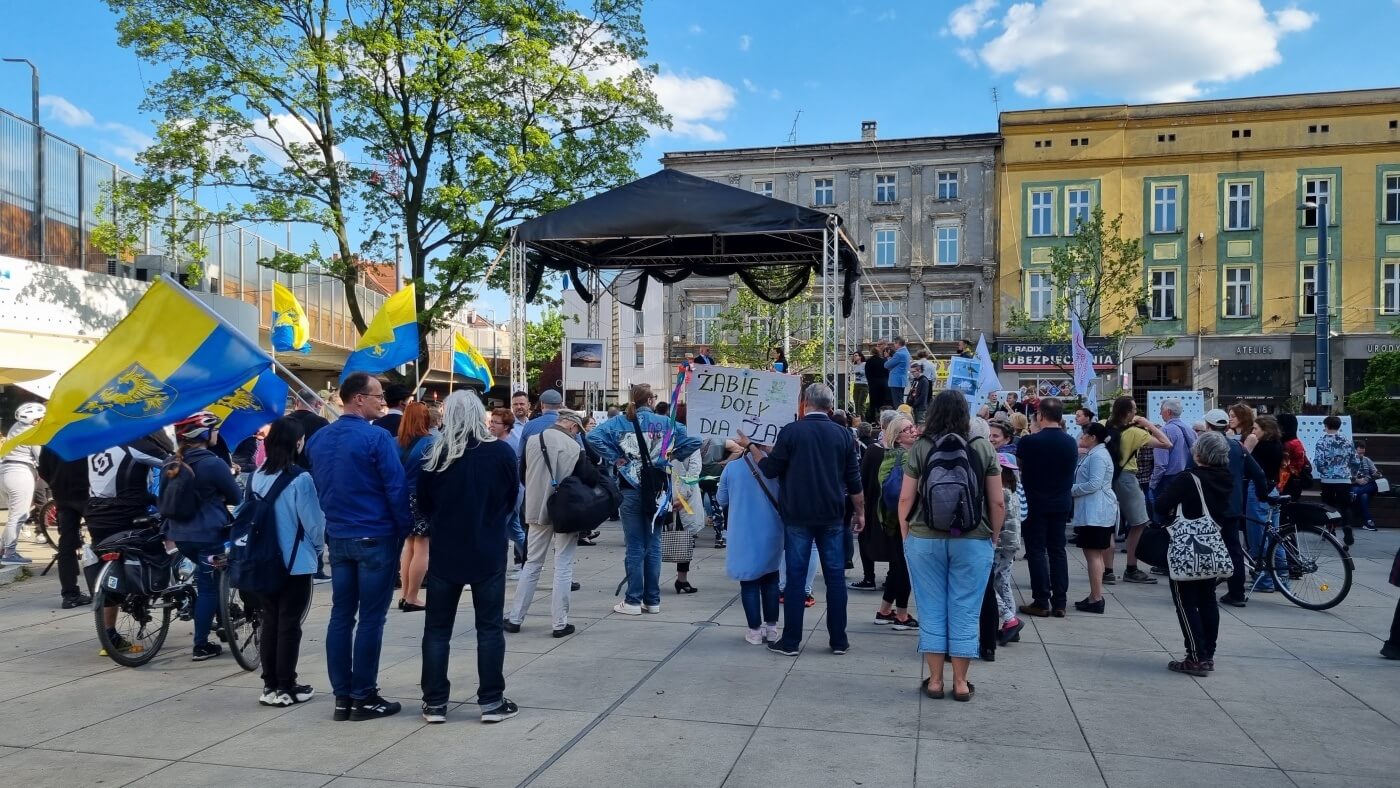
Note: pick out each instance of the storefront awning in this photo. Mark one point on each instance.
(36, 361)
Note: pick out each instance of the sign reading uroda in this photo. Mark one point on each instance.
(724, 401)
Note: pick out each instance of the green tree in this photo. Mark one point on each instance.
(544, 342)
(752, 327)
(444, 120)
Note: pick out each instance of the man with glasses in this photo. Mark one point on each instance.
(360, 481)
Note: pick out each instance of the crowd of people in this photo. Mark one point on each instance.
(437, 499)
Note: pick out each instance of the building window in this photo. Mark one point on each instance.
(1078, 211)
(706, 322)
(764, 187)
(1040, 296)
(885, 190)
(1390, 289)
(945, 319)
(948, 237)
(639, 355)
(824, 191)
(884, 319)
(1237, 133)
(1392, 198)
(761, 327)
(1163, 294)
(1307, 290)
(1042, 212)
(1164, 209)
(947, 184)
(1166, 138)
(638, 323)
(1239, 291)
(886, 247)
(1319, 191)
(1239, 208)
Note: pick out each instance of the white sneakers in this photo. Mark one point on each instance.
(635, 610)
(770, 632)
(754, 636)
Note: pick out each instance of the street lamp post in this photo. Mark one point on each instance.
(38, 157)
(1322, 304)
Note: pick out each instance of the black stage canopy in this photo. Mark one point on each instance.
(671, 225)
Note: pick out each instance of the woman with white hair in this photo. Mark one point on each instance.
(1199, 491)
(466, 492)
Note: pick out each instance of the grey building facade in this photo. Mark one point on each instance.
(923, 208)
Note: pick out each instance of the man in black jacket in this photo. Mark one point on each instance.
(68, 484)
(1243, 468)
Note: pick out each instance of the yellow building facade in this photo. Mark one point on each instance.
(1213, 188)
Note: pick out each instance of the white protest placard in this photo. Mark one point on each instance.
(1193, 405)
(721, 402)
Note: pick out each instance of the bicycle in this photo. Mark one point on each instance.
(148, 586)
(1311, 567)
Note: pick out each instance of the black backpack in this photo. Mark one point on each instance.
(583, 500)
(255, 558)
(951, 488)
(179, 498)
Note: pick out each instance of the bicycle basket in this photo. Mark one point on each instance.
(1306, 513)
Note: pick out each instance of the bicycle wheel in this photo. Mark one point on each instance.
(1317, 571)
(46, 524)
(140, 628)
(238, 617)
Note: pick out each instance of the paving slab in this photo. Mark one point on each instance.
(185, 774)
(1165, 725)
(1130, 771)
(688, 754)
(944, 763)
(783, 756)
(36, 768)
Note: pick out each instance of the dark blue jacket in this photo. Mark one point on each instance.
(469, 504)
(359, 479)
(1047, 459)
(213, 481)
(816, 460)
(1243, 468)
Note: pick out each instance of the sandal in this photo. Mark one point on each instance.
(932, 693)
(685, 588)
(964, 697)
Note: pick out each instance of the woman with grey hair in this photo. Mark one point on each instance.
(1202, 490)
(466, 492)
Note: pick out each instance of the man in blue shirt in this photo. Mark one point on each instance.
(1047, 459)
(550, 403)
(898, 365)
(815, 459)
(360, 481)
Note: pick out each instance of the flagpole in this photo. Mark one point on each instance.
(305, 389)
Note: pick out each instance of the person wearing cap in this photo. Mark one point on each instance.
(1243, 467)
(551, 401)
(559, 443)
(396, 395)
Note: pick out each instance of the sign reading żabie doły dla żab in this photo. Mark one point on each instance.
(722, 402)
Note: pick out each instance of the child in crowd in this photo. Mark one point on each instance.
(1005, 556)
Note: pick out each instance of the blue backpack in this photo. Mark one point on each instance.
(255, 556)
(890, 490)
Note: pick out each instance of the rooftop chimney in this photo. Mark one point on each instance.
(867, 129)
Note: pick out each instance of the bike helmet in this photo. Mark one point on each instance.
(29, 413)
(197, 426)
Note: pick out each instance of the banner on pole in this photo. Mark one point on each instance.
(724, 401)
(965, 375)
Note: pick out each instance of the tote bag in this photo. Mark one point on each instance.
(1197, 550)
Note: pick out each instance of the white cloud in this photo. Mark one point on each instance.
(694, 103)
(284, 131)
(1137, 49)
(775, 94)
(65, 112)
(886, 16)
(121, 139)
(967, 19)
(750, 86)
(745, 41)
(696, 30)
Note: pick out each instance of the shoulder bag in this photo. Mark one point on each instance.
(574, 505)
(1197, 550)
(758, 477)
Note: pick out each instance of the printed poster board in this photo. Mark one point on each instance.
(724, 401)
(1193, 406)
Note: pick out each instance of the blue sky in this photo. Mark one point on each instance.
(735, 74)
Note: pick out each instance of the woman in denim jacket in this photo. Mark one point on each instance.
(1095, 510)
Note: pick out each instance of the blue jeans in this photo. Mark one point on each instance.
(950, 578)
(488, 605)
(797, 547)
(206, 586)
(643, 558)
(1361, 493)
(362, 582)
(1254, 533)
(809, 577)
(517, 536)
(760, 598)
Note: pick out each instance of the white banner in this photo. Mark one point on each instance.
(721, 402)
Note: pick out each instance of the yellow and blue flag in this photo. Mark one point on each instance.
(168, 358)
(391, 339)
(291, 331)
(261, 400)
(468, 361)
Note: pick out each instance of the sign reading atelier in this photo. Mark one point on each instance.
(724, 401)
(1024, 355)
